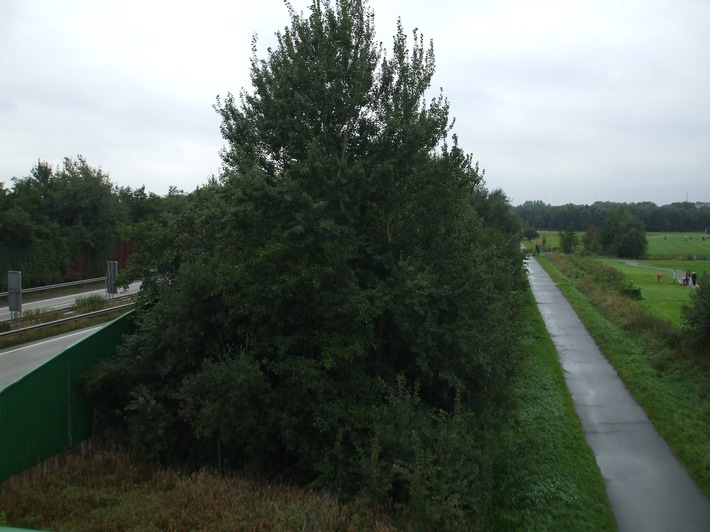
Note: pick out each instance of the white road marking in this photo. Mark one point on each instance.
(30, 346)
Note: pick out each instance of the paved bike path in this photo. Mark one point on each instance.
(648, 488)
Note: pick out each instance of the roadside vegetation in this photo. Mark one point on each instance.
(545, 475)
(343, 309)
(90, 303)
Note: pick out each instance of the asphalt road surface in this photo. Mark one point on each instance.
(61, 301)
(18, 361)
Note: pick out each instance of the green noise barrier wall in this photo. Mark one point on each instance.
(45, 412)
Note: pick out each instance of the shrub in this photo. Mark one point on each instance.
(89, 303)
(568, 240)
(696, 315)
(530, 233)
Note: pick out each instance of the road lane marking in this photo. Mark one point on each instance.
(50, 340)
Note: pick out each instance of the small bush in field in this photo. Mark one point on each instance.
(530, 233)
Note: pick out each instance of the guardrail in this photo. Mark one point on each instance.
(53, 286)
(94, 314)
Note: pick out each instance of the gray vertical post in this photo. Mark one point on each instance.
(14, 290)
(111, 273)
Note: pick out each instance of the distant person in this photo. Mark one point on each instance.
(694, 279)
(658, 277)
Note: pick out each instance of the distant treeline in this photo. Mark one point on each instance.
(64, 223)
(675, 217)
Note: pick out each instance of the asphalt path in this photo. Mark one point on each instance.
(61, 302)
(648, 488)
(677, 274)
(18, 361)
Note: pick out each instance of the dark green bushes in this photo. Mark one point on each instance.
(696, 316)
(530, 233)
(340, 308)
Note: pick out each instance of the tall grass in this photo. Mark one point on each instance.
(38, 315)
(90, 303)
(109, 491)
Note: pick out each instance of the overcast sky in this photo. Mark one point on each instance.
(570, 101)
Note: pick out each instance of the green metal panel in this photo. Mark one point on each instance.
(45, 413)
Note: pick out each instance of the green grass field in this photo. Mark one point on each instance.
(662, 298)
(664, 245)
(669, 251)
(682, 245)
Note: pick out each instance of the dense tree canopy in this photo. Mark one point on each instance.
(340, 306)
(623, 235)
(63, 223)
(672, 217)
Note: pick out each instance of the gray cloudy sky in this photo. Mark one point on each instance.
(569, 101)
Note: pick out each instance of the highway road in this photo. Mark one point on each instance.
(61, 301)
(18, 361)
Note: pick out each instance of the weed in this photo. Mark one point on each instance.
(37, 316)
(89, 303)
(109, 491)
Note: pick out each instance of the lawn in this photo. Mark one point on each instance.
(687, 246)
(681, 245)
(664, 297)
(679, 252)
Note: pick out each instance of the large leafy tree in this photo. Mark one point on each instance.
(623, 235)
(340, 274)
(63, 221)
(83, 203)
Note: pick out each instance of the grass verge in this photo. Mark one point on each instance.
(550, 479)
(671, 386)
